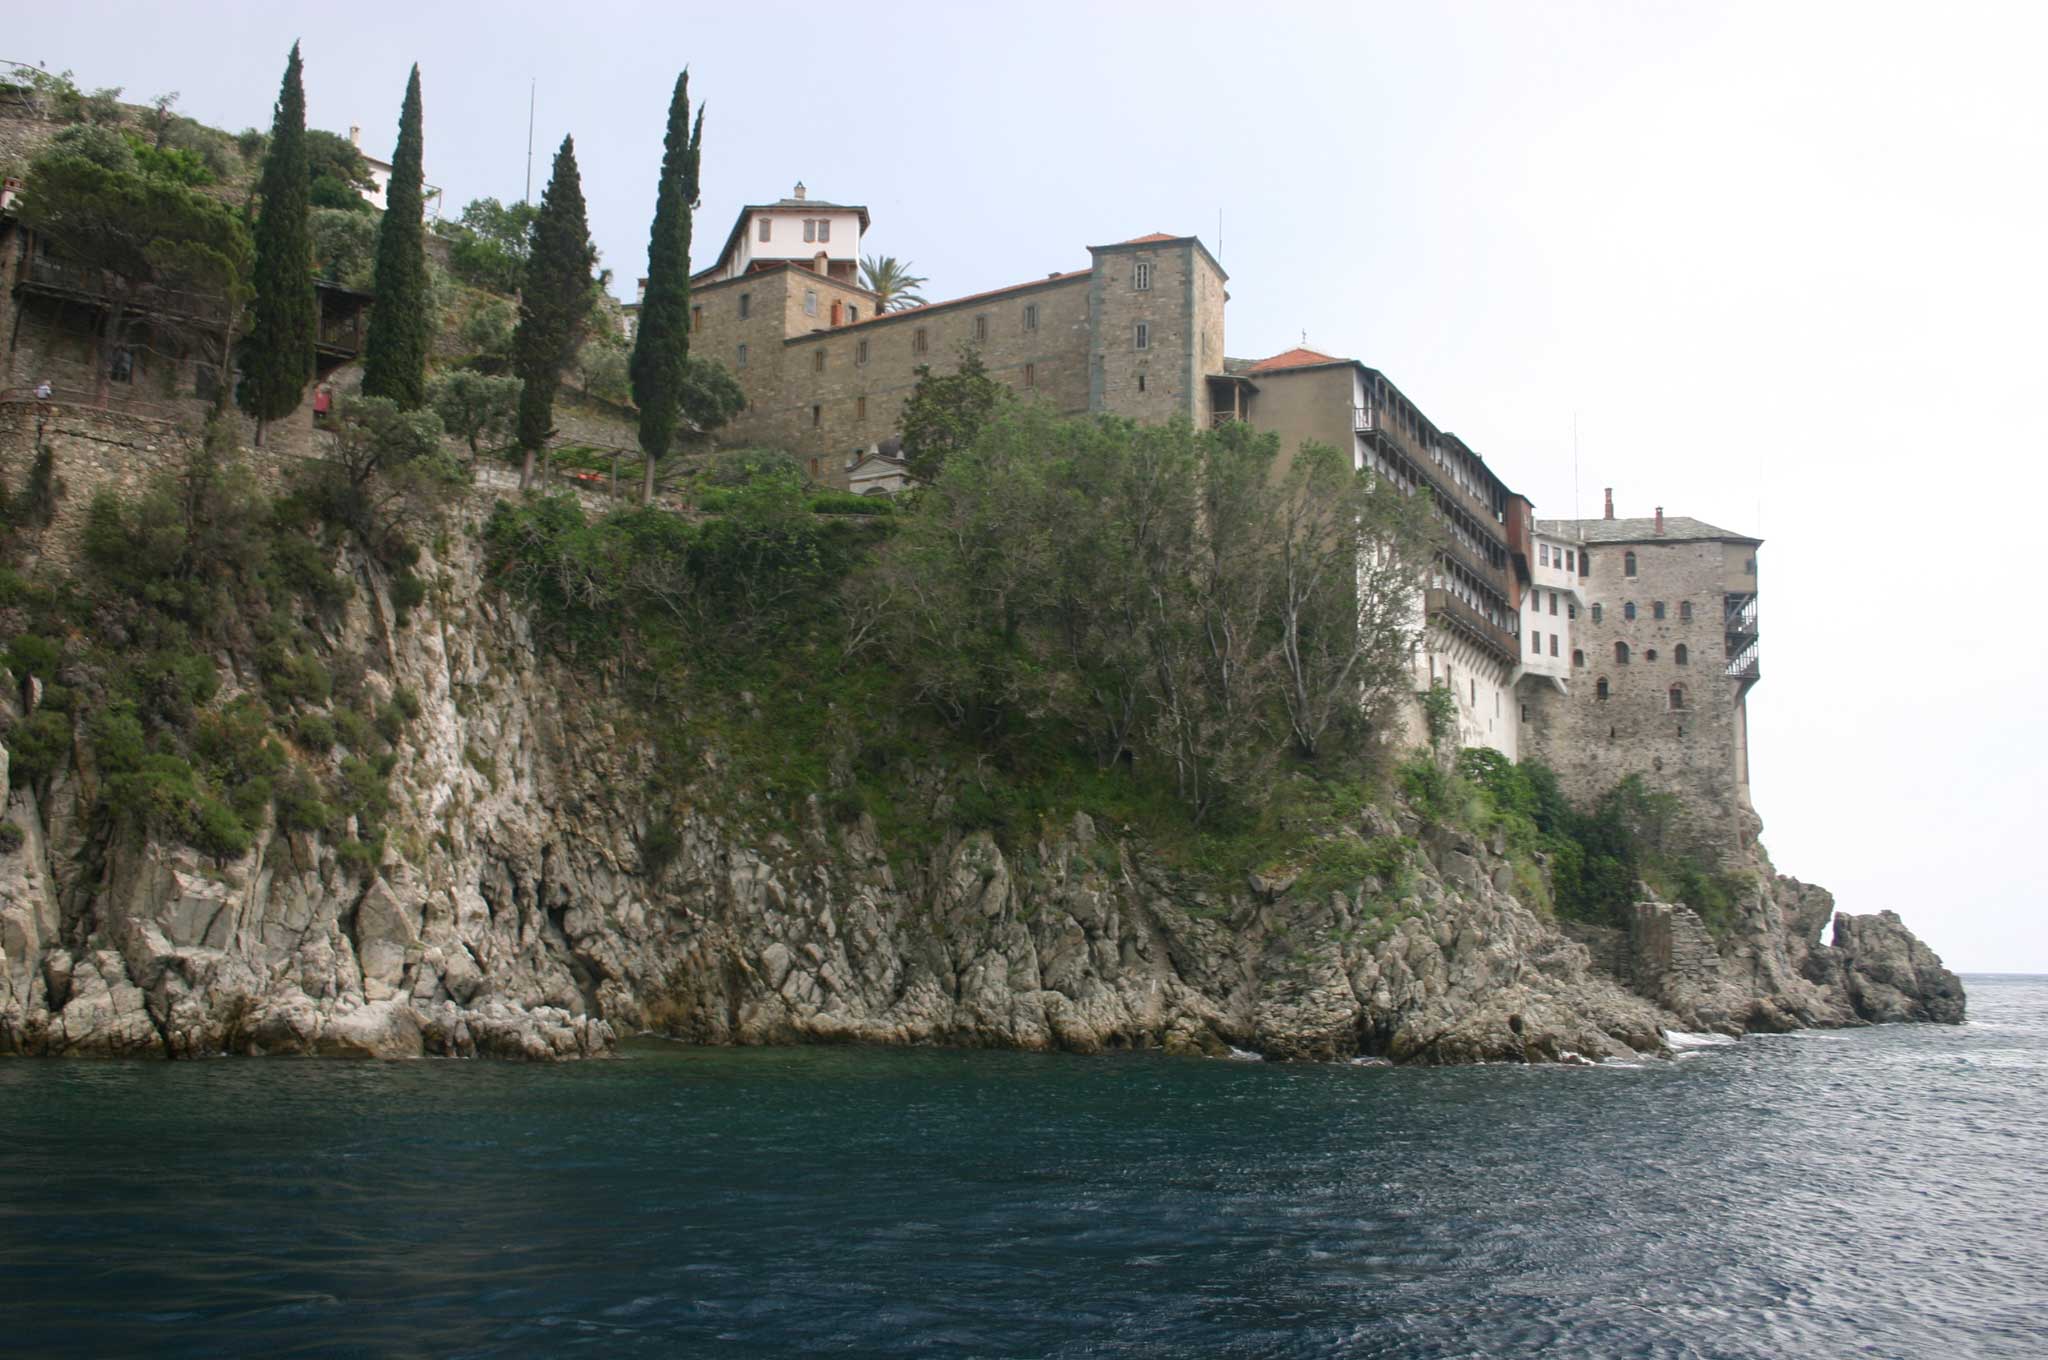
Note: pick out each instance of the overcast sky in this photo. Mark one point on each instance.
(1782, 266)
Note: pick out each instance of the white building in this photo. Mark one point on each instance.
(794, 230)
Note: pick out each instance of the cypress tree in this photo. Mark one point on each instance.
(554, 301)
(401, 322)
(278, 359)
(661, 348)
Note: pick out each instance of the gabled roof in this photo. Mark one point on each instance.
(739, 224)
(1297, 357)
(1677, 529)
(1151, 238)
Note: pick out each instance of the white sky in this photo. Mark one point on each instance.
(1782, 263)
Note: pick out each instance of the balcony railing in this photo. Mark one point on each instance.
(1361, 419)
(1443, 607)
(1744, 665)
(49, 274)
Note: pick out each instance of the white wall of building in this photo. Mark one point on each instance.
(786, 237)
(1489, 714)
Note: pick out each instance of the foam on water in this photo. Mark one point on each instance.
(1679, 1038)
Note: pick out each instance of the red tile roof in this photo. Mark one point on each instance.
(1149, 238)
(1293, 358)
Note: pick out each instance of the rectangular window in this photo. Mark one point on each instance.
(1657, 609)
(696, 319)
(1569, 564)
(1535, 641)
(824, 229)
(852, 313)
(1685, 611)
(1553, 644)
(1571, 611)
(817, 361)
(817, 416)
(810, 302)
(1542, 554)
(1030, 316)
(746, 305)
(1031, 375)
(766, 227)
(1141, 276)
(1144, 336)
(860, 408)
(917, 341)
(981, 327)
(742, 360)
(860, 352)
(810, 228)
(1553, 602)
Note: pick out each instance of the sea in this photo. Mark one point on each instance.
(1874, 1192)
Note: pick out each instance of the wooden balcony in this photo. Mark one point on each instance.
(1449, 611)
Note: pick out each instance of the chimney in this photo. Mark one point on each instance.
(1610, 502)
(1660, 519)
(799, 191)
(355, 135)
(818, 265)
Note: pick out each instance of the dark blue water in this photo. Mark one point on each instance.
(1881, 1192)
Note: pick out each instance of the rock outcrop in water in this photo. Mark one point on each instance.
(524, 914)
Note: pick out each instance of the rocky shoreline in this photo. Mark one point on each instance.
(518, 917)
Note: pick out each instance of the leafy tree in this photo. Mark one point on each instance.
(278, 359)
(553, 303)
(143, 232)
(102, 146)
(661, 349)
(603, 369)
(386, 472)
(339, 173)
(344, 245)
(489, 243)
(401, 321)
(476, 407)
(488, 332)
(711, 395)
(947, 412)
(894, 286)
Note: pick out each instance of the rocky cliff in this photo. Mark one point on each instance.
(525, 908)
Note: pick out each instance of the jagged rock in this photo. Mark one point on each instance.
(537, 930)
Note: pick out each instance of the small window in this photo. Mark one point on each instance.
(814, 469)
(981, 328)
(1628, 611)
(1553, 644)
(824, 229)
(767, 224)
(741, 362)
(1525, 713)
(696, 319)
(746, 305)
(917, 341)
(1578, 657)
(1535, 642)
(1621, 653)
(1600, 688)
(1569, 564)
(1749, 567)
(1650, 654)
(1144, 335)
(1031, 375)
(810, 228)
(1677, 698)
(810, 302)
(1141, 276)
(1141, 382)
(1679, 656)
(1553, 602)
(1542, 554)
(860, 352)
(860, 408)
(1685, 611)
(852, 313)
(1657, 610)
(1030, 316)
(817, 416)
(1596, 613)
(1628, 564)
(1571, 611)
(817, 361)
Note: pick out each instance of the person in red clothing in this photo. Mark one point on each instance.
(323, 402)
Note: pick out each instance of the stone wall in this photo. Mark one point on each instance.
(1182, 310)
(1694, 752)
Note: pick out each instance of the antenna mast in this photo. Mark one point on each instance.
(1575, 465)
(530, 92)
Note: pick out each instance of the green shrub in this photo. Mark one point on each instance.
(37, 747)
(354, 730)
(314, 732)
(360, 858)
(31, 655)
(218, 830)
(408, 592)
(11, 838)
(299, 805)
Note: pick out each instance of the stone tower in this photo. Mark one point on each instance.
(1155, 313)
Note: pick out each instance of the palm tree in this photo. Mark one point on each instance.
(893, 285)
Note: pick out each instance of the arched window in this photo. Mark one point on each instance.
(1649, 654)
(1621, 653)
(1600, 688)
(1596, 613)
(1678, 655)
(1677, 697)
(1685, 611)
(1578, 657)
(1628, 564)
(1657, 610)
(1628, 611)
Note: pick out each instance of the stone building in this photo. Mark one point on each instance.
(1665, 653)
(1138, 333)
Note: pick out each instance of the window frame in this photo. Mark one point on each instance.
(767, 222)
(1141, 276)
(1141, 336)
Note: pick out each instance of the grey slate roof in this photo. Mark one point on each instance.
(1677, 529)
